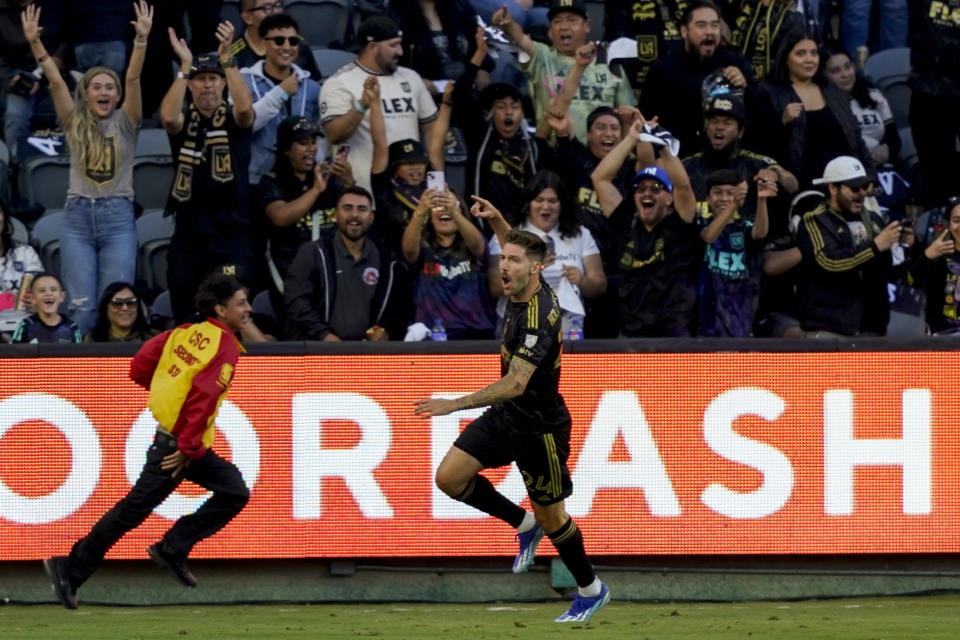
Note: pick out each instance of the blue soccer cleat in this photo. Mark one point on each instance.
(528, 548)
(584, 607)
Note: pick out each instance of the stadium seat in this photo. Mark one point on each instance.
(44, 180)
(322, 22)
(154, 231)
(262, 305)
(890, 70)
(152, 177)
(330, 60)
(153, 142)
(46, 239)
(905, 325)
(20, 233)
(161, 311)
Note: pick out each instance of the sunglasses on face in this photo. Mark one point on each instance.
(280, 40)
(864, 188)
(273, 6)
(652, 187)
(124, 302)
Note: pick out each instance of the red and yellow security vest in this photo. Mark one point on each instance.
(188, 371)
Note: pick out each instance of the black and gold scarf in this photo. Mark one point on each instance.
(202, 144)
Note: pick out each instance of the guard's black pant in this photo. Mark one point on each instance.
(230, 494)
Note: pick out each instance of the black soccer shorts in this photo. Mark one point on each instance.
(541, 457)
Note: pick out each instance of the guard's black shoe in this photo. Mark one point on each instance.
(56, 571)
(176, 565)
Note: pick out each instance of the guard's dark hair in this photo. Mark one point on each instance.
(216, 289)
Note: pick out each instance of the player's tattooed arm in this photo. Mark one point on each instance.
(506, 388)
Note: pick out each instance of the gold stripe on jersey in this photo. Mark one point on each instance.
(533, 311)
(553, 460)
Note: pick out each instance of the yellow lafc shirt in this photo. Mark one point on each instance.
(188, 371)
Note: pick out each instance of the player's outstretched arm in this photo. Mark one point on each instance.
(506, 388)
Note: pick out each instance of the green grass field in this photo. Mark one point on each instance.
(891, 618)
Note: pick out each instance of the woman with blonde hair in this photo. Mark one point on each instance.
(98, 243)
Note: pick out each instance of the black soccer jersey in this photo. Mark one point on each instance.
(531, 332)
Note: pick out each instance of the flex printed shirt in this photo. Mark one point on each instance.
(405, 102)
(531, 332)
(599, 86)
(188, 371)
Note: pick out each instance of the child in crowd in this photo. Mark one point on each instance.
(46, 324)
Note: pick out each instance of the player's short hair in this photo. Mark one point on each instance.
(533, 246)
(216, 289)
(687, 14)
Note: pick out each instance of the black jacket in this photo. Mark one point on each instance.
(938, 279)
(842, 284)
(310, 291)
(935, 49)
(672, 91)
(482, 139)
(459, 22)
(794, 135)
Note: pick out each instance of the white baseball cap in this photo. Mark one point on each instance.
(844, 170)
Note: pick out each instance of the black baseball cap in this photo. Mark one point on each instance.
(497, 91)
(727, 105)
(293, 129)
(407, 150)
(723, 177)
(378, 29)
(206, 63)
(573, 6)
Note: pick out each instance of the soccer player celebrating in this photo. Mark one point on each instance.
(527, 421)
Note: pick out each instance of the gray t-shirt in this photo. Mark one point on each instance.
(114, 176)
(356, 287)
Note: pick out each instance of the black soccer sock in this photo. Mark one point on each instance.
(480, 494)
(569, 544)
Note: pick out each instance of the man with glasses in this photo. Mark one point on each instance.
(280, 89)
(250, 48)
(660, 248)
(847, 258)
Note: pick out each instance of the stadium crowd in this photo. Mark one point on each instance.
(721, 168)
